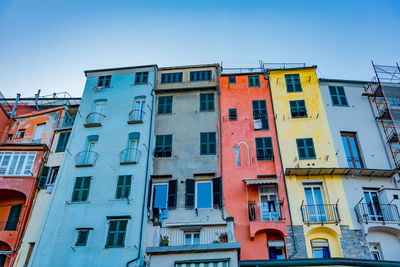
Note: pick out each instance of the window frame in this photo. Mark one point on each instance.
(208, 143)
(154, 194)
(116, 232)
(164, 146)
(104, 81)
(254, 80)
(232, 114)
(231, 79)
(163, 107)
(320, 248)
(20, 134)
(201, 76)
(259, 112)
(171, 77)
(196, 194)
(293, 80)
(192, 238)
(141, 77)
(264, 148)
(81, 189)
(125, 188)
(338, 96)
(13, 165)
(52, 178)
(352, 159)
(307, 157)
(208, 99)
(79, 231)
(295, 105)
(62, 146)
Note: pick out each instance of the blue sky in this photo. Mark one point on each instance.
(47, 44)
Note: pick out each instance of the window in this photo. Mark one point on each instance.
(376, 252)
(9, 137)
(141, 77)
(232, 114)
(104, 81)
(43, 177)
(62, 141)
(20, 134)
(352, 150)
(254, 81)
(81, 189)
(338, 96)
(116, 233)
(320, 249)
(276, 250)
(165, 105)
(192, 238)
(123, 187)
(264, 148)
(207, 102)
(96, 117)
(260, 115)
(160, 196)
(305, 148)
(298, 109)
(16, 163)
(175, 77)
(131, 154)
(196, 76)
(138, 109)
(53, 175)
(293, 83)
(375, 210)
(316, 209)
(208, 143)
(393, 101)
(13, 218)
(232, 79)
(38, 135)
(163, 146)
(204, 195)
(269, 207)
(82, 238)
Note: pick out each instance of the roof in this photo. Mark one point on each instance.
(297, 68)
(41, 112)
(340, 171)
(319, 262)
(121, 68)
(215, 65)
(342, 81)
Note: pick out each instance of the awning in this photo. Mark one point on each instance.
(260, 181)
(340, 171)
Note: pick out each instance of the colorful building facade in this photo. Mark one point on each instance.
(254, 185)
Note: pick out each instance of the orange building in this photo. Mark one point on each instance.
(253, 183)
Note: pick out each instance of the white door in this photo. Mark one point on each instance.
(133, 150)
(269, 207)
(139, 108)
(315, 203)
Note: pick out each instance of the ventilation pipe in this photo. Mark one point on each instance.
(37, 100)
(15, 106)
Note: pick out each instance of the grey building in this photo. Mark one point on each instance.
(186, 219)
(370, 182)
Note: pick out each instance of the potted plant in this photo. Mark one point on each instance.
(280, 201)
(164, 242)
(252, 202)
(223, 237)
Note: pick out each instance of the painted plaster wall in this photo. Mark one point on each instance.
(389, 244)
(168, 260)
(4, 122)
(241, 132)
(356, 117)
(315, 126)
(64, 217)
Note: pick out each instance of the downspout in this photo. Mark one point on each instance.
(220, 139)
(146, 174)
(283, 173)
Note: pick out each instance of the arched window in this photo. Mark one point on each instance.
(320, 249)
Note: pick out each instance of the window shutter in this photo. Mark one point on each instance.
(189, 203)
(149, 194)
(172, 189)
(43, 177)
(217, 192)
(13, 218)
(62, 141)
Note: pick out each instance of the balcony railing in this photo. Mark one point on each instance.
(129, 156)
(265, 212)
(377, 213)
(323, 213)
(135, 116)
(66, 122)
(9, 225)
(94, 119)
(86, 158)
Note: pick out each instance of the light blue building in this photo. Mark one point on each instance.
(98, 215)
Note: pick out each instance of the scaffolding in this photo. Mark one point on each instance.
(384, 91)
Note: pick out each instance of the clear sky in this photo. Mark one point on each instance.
(47, 44)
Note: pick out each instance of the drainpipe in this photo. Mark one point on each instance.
(220, 136)
(283, 173)
(15, 106)
(146, 175)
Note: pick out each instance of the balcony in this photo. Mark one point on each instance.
(86, 159)
(377, 213)
(65, 122)
(135, 116)
(129, 156)
(94, 119)
(322, 213)
(265, 212)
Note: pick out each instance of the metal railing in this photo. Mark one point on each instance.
(322, 213)
(265, 212)
(36, 141)
(129, 155)
(86, 158)
(136, 115)
(377, 212)
(94, 118)
(9, 225)
(206, 235)
(65, 122)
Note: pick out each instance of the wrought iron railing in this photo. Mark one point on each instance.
(136, 116)
(377, 212)
(94, 119)
(86, 158)
(265, 212)
(322, 213)
(129, 156)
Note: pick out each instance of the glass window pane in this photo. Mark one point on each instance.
(160, 196)
(204, 195)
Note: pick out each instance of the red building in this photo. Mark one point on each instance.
(253, 182)
(24, 146)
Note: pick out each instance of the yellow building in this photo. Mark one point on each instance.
(319, 210)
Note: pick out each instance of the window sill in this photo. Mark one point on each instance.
(164, 114)
(121, 199)
(346, 106)
(83, 165)
(295, 91)
(135, 121)
(207, 110)
(302, 117)
(92, 125)
(77, 202)
(128, 163)
(307, 158)
(113, 247)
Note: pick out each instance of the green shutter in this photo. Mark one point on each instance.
(43, 177)
(13, 217)
(189, 203)
(62, 141)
